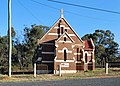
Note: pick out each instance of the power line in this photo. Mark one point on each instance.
(98, 9)
(29, 11)
(59, 9)
(68, 11)
(85, 16)
(45, 5)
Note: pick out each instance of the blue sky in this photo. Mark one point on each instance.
(27, 12)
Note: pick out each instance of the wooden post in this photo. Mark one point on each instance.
(106, 68)
(60, 70)
(34, 69)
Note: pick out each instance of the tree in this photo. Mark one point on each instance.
(4, 49)
(105, 46)
(4, 53)
(22, 51)
(26, 48)
(118, 56)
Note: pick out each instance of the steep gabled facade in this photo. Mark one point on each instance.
(62, 45)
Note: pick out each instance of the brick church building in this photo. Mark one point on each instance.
(62, 45)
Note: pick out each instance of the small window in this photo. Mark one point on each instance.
(60, 21)
(91, 57)
(78, 56)
(61, 30)
(64, 38)
(65, 55)
(81, 55)
(77, 50)
(58, 30)
(86, 58)
(66, 30)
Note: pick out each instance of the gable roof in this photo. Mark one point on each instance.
(65, 33)
(40, 40)
(89, 44)
(73, 30)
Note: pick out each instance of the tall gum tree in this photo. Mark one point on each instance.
(105, 46)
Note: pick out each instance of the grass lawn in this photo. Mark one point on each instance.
(98, 73)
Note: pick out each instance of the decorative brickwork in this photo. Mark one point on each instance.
(62, 45)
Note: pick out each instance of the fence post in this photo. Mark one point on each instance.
(106, 68)
(34, 69)
(60, 70)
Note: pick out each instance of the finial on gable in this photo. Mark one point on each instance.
(62, 13)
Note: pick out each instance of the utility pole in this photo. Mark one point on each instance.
(9, 36)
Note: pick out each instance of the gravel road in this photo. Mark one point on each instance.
(77, 82)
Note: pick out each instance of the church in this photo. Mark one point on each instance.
(62, 46)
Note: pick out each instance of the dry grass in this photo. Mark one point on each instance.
(98, 73)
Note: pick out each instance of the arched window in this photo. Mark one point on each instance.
(66, 30)
(85, 57)
(61, 30)
(77, 54)
(91, 57)
(58, 30)
(81, 54)
(64, 38)
(65, 55)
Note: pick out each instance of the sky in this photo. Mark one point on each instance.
(82, 20)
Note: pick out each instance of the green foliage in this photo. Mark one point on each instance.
(4, 50)
(105, 46)
(22, 52)
(26, 49)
